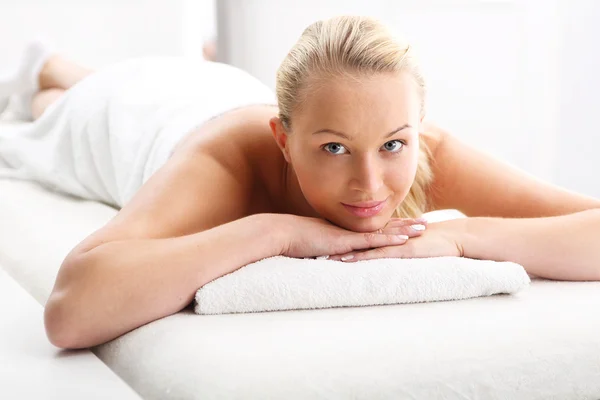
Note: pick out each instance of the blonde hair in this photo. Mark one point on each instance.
(348, 45)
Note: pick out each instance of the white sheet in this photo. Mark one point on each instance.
(26, 356)
(541, 343)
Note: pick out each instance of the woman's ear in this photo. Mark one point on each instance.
(280, 136)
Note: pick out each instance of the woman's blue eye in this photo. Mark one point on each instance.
(393, 146)
(334, 148)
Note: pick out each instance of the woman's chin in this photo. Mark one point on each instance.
(362, 224)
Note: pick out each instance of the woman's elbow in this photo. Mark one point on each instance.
(63, 321)
(60, 328)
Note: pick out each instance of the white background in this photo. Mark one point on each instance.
(518, 79)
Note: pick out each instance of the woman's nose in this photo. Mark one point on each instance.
(368, 176)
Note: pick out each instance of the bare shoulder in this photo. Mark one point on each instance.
(431, 135)
(478, 184)
(208, 181)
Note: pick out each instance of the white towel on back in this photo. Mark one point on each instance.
(283, 283)
(114, 129)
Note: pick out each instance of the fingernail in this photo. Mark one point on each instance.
(418, 227)
(345, 258)
(424, 220)
(403, 237)
(322, 258)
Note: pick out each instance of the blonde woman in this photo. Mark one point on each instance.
(342, 166)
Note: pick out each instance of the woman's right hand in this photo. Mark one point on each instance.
(315, 237)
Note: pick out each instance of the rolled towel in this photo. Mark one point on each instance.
(284, 283)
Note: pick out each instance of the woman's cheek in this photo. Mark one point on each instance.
(323, 186)
(400, 176)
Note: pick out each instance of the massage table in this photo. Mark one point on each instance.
(32, 368)
(541, 343)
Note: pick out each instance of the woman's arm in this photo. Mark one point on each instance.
(477, 184)
(148, 261)
(565, 247)
(121, 285)
(186, 226)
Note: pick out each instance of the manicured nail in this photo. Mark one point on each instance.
(418, 227)
(322, 258)
(403, 237)
(346, 258)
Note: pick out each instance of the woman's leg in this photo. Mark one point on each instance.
(57, 75)
(61, 73)
(42, 99)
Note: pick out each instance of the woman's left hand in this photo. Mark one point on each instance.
(437, 240)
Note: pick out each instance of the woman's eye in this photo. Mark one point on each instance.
(393, 146)
(335, 148)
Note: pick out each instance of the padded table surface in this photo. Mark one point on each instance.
(30, 367)
(541, 343)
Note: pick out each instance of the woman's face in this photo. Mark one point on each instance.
(354, 148)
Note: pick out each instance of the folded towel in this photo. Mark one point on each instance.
(284, 283)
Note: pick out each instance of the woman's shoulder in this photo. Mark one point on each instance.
(241, 141)
(432, 135)
(239, 135)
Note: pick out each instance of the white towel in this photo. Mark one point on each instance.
(283, 283)
(109, 133)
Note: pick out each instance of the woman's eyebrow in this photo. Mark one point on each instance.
(348, 137)
(397, 130)
(333, 133)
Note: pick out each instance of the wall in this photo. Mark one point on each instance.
(577, 144)
(97, 32)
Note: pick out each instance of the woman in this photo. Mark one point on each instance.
(341, 168)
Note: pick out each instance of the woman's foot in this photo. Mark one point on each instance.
(20, 83)
(209, 50)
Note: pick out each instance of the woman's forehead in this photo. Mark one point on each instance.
(385, 99)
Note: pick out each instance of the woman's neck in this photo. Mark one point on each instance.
(294, 200)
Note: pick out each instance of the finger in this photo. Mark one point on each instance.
(369, 240)
(372, 254)
(406, 221)
(410, 231)
(413, 230)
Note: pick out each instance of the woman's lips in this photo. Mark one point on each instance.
(365, 210)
